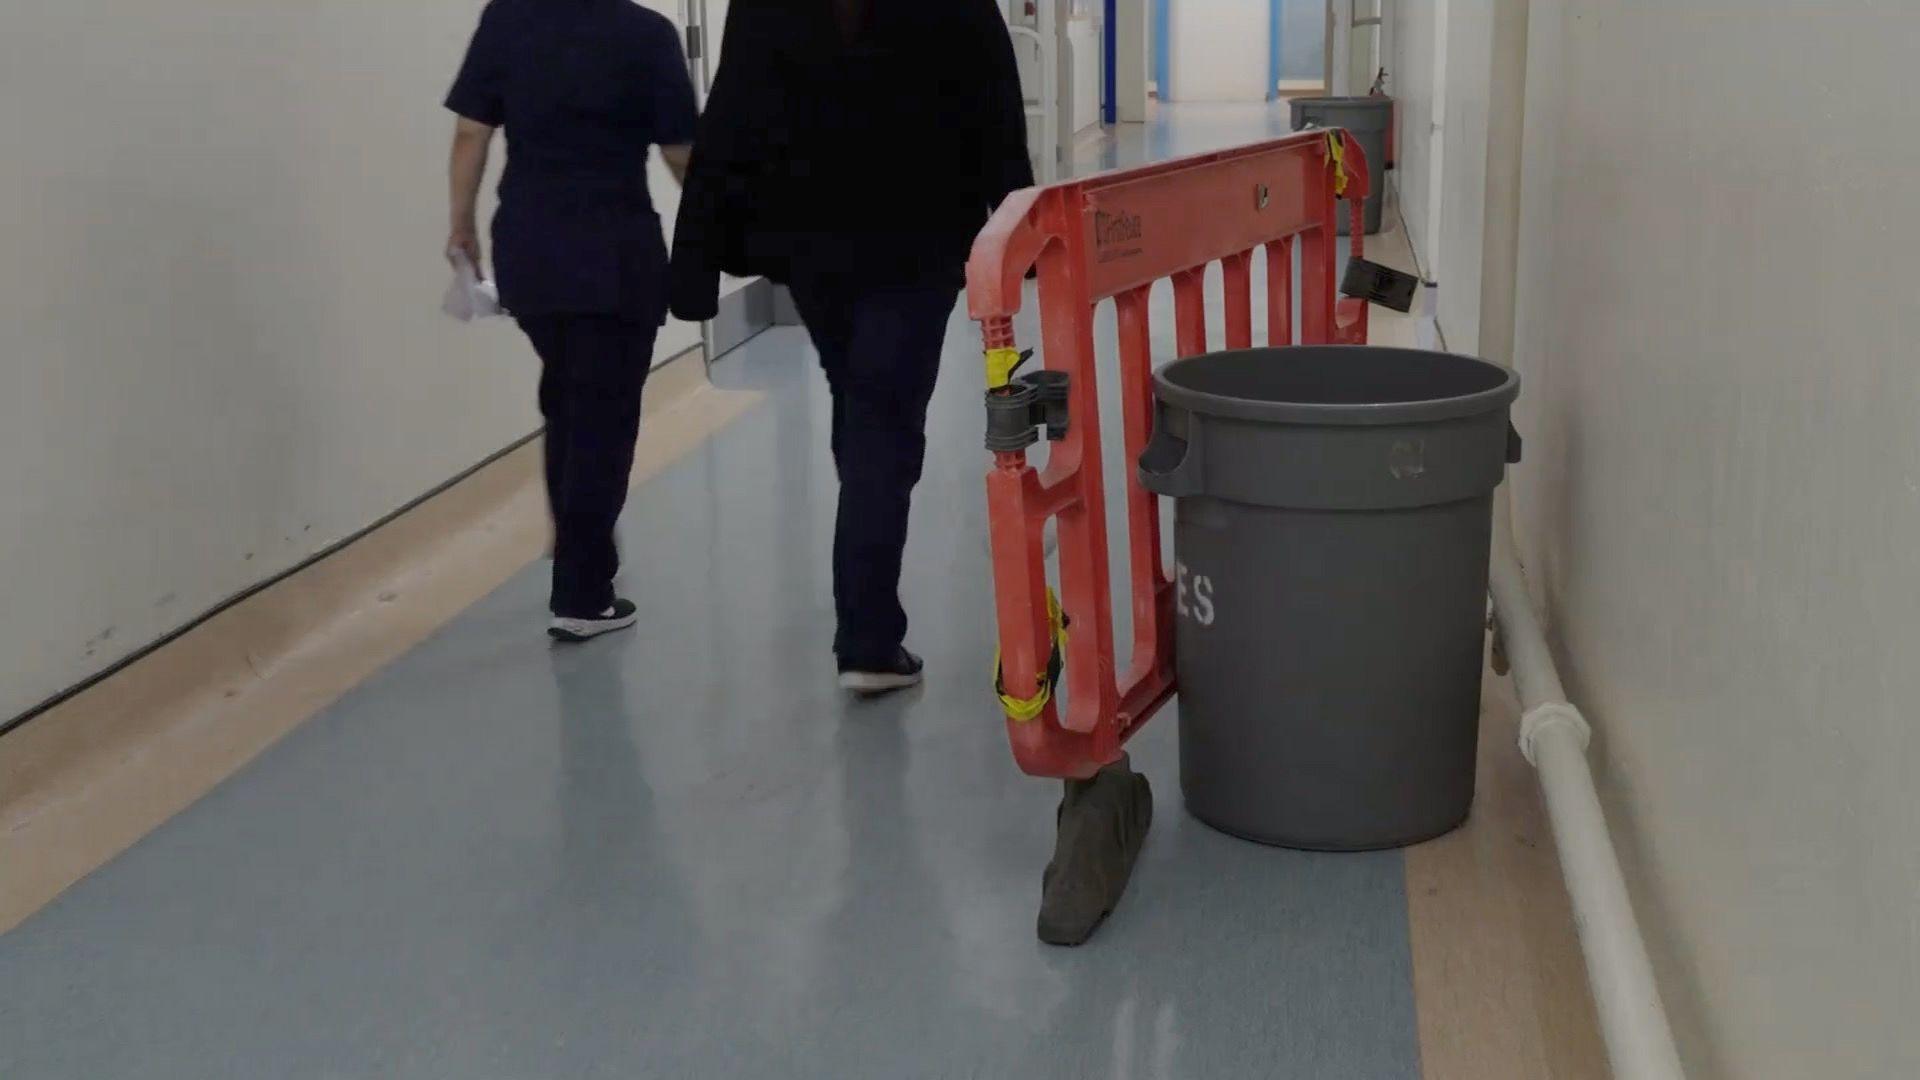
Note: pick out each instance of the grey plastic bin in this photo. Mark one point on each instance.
(1369, 119)
(1333, 521)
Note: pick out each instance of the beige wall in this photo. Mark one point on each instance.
(218, 307)
(1722, 497)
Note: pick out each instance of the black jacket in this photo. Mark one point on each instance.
(875, 156)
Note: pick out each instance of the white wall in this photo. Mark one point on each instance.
(1722, 497)
(1480, 109)
(1412, 68)
(220, 349)
(1218, 50)
(1463, 184)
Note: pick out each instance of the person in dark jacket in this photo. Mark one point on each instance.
(851, 150)
(584, 89)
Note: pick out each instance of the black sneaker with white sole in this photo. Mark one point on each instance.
(618, 617)
(905, 670)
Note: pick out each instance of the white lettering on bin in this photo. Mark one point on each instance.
(1200, 587)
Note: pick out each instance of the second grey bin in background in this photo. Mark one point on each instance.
(1333, 525)
(1369, 119)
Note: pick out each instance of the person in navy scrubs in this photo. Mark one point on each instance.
(851, 150)
(584, 89)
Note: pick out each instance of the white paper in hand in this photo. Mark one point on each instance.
(470, 296)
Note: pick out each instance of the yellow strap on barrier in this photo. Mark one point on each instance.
(1025, 710)
(1000, 365)
(1337, 157)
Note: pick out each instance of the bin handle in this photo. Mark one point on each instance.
(1171, 464)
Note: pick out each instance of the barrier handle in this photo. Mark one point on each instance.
(1171, 464)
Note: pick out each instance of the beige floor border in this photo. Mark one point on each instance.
(1499, 982)
(82, 782)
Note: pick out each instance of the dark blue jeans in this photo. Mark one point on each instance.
(880, 349)
(592, 370)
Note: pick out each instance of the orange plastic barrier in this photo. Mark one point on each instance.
(1112, 237)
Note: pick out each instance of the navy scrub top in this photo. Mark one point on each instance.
(584, 89)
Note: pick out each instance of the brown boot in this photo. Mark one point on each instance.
(1102, 824)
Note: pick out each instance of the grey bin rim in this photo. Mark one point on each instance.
(1503, 393)
(1350, 101)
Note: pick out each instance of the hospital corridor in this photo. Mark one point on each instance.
(1408, 562)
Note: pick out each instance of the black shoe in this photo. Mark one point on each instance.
(1103, 823)
(867, 680)
(618, 617)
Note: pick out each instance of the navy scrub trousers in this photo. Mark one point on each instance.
(584, 89)
(592, 370)
(880, 349)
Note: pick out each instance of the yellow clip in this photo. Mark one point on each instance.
(1000, 365)
(1025, 710)
(1337, 157)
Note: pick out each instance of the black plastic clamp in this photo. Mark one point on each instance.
(1379, 284)
(1018, 413)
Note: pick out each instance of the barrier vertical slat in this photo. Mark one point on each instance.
(1316, 267)
(1190, 312)
(1020, 590)
(1083, 562)
(1237, 277)
(1134, 319)
(1316, 295)
(1015, 534)
(1280, 292)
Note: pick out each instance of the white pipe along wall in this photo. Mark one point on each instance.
(1554, 737)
